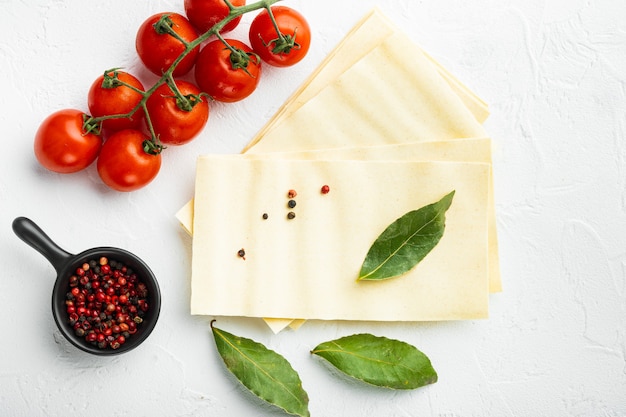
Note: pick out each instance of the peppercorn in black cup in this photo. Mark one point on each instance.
(105, 300)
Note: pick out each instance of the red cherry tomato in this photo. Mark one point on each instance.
(204, 14)
(61, 145)
(226, 76)
(158, 49)
(285, 50)
(112, 96)
(123, 163)
(175, 125)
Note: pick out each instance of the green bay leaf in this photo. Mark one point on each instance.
(406, 241)
(379, 361)
(264, 372)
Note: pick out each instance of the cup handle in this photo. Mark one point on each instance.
(32, 234)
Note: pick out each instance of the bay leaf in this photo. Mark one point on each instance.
(406, 241)
(379, 361)
(264, 372)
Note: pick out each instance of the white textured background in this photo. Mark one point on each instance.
(553, 73)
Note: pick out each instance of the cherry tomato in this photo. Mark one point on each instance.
(285, 50)
(111, 96)
(158, 49)
(204, 14)
(61, 144)
(175, 125)
(123, 163)
(227, 76)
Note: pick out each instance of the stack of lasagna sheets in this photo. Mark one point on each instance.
(388, 130)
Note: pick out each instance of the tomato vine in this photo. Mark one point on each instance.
(164, 26)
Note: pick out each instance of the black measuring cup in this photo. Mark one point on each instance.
(66, 264)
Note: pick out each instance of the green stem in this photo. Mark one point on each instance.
(284, 43)
(155, 144)
(182, 101)
(229, 4)
(226, 44)
(276, 28)
(164, 26)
